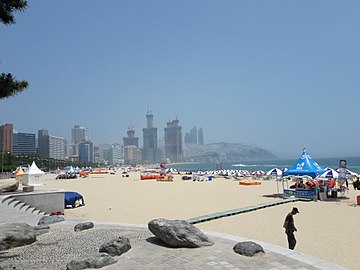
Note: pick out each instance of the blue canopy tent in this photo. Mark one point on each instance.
(304, 166)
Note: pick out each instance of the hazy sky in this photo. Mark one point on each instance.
(276, 74)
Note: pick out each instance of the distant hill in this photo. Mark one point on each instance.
(222, 151)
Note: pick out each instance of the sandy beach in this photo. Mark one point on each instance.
(326, 229)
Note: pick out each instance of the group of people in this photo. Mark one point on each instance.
(301, 185)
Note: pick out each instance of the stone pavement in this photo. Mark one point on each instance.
(54, 249)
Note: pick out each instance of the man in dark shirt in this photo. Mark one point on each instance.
(290, 227)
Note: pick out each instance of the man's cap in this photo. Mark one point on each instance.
(296, 210)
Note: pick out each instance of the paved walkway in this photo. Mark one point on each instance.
(61, 244)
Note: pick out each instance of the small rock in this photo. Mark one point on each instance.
(41, 229)
(83, 226)
(116, 247)
(50, 219)
(248, 248)
(96, 261)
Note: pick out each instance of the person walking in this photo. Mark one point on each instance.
(290, 227)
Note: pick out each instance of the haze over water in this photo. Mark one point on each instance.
(353, 164)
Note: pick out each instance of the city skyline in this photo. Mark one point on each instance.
(81, 148)
(70, 137)
(269, 74)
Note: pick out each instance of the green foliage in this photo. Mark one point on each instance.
(8, 7)
(9, 86)
(9, 162)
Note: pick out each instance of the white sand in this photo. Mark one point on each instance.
(328, 230)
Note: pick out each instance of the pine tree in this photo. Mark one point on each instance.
(9, 86)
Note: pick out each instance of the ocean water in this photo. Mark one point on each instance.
(353, 164)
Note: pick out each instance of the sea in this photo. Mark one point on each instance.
(352, 163)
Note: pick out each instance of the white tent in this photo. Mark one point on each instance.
(34, 176)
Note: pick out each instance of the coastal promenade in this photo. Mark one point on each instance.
(61, 244)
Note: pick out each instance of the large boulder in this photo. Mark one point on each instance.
(178, 233)
(8, 185)
(97, 260)
(116, 247)
(16, 235)
(83, 226)
(248, 248)
(46, 220)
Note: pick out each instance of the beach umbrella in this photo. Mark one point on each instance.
(330, 173)
(348, 172)
(258, 172)
(275, 171)
(70, 169)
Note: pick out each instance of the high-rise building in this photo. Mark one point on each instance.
(78, 134)
(114, 154)
(43, 143)
(131, 139)
(24, 143)
(51, 146)
(201, 136)
(132, 155)
(150, 148)
(86, 152)
(173, 141)
(187, 138)
(193, 135)
(6, 138)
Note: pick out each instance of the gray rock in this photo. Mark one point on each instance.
(16, 235)
(41, 229)
(83, 226)
(116, 247)
(178, 233)
(8, 185)
(96, 261)
(46, 220)
(248, 248)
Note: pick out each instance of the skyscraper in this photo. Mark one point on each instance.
(114, 154)
(78, 134)
(131, 139)
(132, 154)
(24, 143)
(201, 136)
(86, 151)
(6, 138)
(51, 146)
(173, 141)
(43, 143)
(150, 149)
(193, 135)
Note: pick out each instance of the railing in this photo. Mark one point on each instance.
(6, 175)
